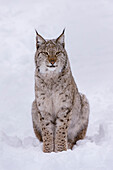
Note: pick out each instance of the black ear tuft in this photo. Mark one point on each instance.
(36, 32)
(39, 39)
(60, 39)
(63, 31)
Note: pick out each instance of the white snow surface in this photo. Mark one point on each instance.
(89, 43)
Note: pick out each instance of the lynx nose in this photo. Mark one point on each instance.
(52, 61)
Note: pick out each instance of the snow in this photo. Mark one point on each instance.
(89, 43)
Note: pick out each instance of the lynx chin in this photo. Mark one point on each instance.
(60, 112)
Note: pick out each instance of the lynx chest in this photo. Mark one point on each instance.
(54, 97)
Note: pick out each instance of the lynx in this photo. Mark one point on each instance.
(59, 112)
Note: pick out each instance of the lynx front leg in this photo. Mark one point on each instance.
(47, 133)
(62, 124)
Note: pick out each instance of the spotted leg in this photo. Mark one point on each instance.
(62, 124)
(47, 132)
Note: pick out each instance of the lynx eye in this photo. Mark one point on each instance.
(58, 53)
(45, 53)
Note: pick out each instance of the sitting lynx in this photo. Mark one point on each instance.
(59, 112)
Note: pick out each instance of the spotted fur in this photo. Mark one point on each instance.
(59, 112)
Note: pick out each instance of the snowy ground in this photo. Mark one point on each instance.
(89, 43)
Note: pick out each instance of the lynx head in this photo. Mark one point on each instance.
(51, 56)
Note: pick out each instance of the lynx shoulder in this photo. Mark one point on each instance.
(59, 112)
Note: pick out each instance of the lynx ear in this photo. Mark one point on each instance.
(60, 39)
(39, 39)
